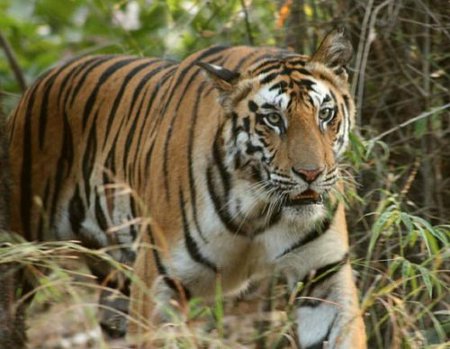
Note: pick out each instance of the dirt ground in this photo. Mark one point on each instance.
(64, 325)
(70, 321)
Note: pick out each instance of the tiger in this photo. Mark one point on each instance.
(227, 163)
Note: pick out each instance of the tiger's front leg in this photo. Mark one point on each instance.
(327, 311)
(153, 295)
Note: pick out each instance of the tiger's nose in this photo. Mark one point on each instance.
(307, 175)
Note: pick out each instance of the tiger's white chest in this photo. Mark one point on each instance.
(239, 259)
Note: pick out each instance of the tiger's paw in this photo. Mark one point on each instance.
(113, 314)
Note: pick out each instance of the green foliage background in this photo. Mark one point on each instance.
(44, 32)
(399, 210)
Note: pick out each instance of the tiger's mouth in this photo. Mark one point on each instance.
(308, 197)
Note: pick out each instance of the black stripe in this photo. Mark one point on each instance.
(71, 73)
(328, 270)
(324, 273)
(99, 214)
(133, 231)
(347, 102)
(281, 86)
(148, 157)
(303, 71)
(262, 68)
(269, 77)
(219, 204)
(174, 285)
(276, 66)
(182, 73)
(308, 84)
(244, 60)
(76, 211)
(64, 166)
(130, 136)
(91, 101)
(191, 141)
(25, 177)
(191, 244)
(89, 158)
(162, 81)
(223, 171)
(314, 234)
(160, 84)
(80, 83)
(110, 164)
(118, 99)
(67, 152)
(192, 188)
(138, 116)
(311, 302)
(297, 61)
(65, 161)
(317, 345)
(123, 285)
(175, 113)
(146, 77)
(159, 265)
(111, 153)
(44, 107)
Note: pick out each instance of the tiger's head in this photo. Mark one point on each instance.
(287, 122)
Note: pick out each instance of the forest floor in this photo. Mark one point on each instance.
(70, 321)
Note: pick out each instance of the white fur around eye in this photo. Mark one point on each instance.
(273, 97)
(320, 90)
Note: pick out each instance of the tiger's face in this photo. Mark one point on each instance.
(287, 124)
(288, 132)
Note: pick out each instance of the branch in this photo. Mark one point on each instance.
(410, 121)
(12, 60)
(247, 23)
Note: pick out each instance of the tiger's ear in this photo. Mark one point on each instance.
(335, 51)
(223, 79)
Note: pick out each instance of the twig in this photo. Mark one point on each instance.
(365, 56)
(410, 179)
(441, 25)
(359, 52)
(427, 142)
(12, 60)
(247, 23)
(410, 121)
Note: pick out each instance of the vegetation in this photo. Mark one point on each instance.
(400, 155)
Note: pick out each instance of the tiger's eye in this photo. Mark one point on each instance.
(273, 118)
(326, 114)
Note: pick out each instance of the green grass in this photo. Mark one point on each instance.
(401, 260)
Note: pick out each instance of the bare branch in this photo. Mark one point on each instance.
(12, 60)
(410, 121)
(247, 23)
